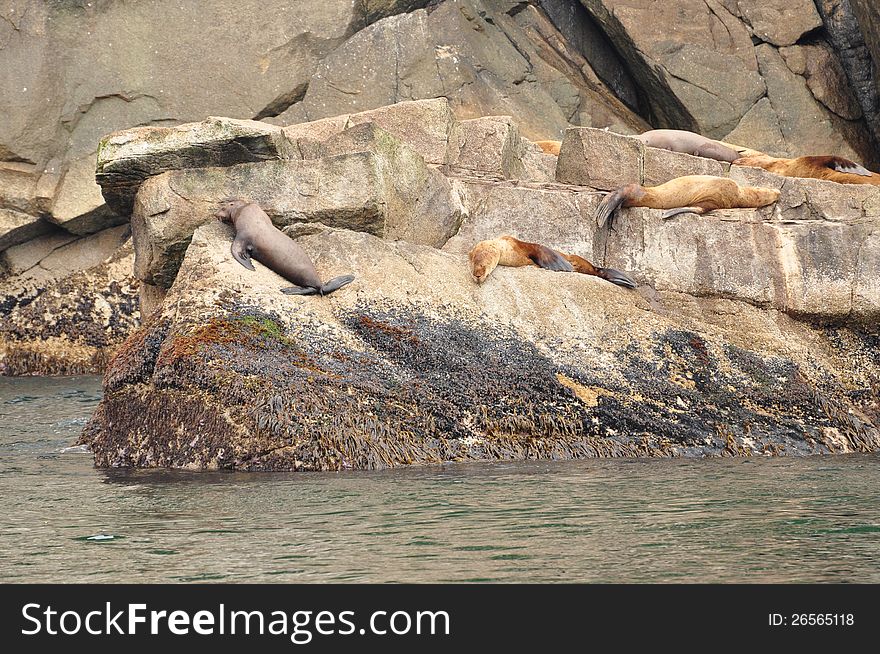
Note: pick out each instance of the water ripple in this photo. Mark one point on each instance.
(731, 520)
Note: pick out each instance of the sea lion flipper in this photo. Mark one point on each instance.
(611, 202)
(242, 254)
(617, 277)
(336, 283)
(842, 165)
(666, 215)
(550, 259)
(299, 290)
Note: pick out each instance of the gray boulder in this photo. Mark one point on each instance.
(533, 364)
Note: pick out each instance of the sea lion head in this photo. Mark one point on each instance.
(227, 209)
(483, 258)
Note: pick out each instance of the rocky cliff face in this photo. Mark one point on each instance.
(753, 331)
(789, 77)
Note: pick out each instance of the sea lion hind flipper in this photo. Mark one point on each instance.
(842, 165)
(242, 254)
(550, 259)
(617, 277)
(299, 290)
(609, 205)
(669, 213)
(336, 283)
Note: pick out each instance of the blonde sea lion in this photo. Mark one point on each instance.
(831, 168)
(679, 140)
(690, 194)
(485, 256)
(256, 237)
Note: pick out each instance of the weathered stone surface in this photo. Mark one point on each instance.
(532, 364)
(23, 188)
(806, 126)
(780, 22)
(374, 184)
(305, 136)
(759, 128)
(825, 78)
(868, 15)
(69, 305)
(491, 145)
(79, 206)
(423, 125)
(584, 36)
(127, 158)
(538, 166)
(702, 76)
(853, 28)
(58, 259)
(345, 190)
(866, 289)
(420, 206)
(17, 227)
(85, 58)
(660, 166)
(150, 298)
(798, 256)
(19, 258)
(78, 71)
(378, 9)
(470, 51)
(606, 161)
(603, 160)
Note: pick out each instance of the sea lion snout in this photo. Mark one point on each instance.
(483, 258)
(227, 207)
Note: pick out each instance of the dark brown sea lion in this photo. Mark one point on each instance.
(831, 168)
(679, 140)
(689, 194)
(256, 237)
(509, 251)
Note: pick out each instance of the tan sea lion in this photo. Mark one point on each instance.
(485, 256)
(679, 140)
(831, 168)
(689, 194)
(256, 237)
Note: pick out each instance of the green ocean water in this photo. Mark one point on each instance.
(813, 519)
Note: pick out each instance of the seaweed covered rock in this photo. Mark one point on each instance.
(66, 303)
(414, 363)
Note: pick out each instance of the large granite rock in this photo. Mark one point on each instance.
(805, 255)
(66, 303)
(807, 127)
(825, 77)
(853, 28)
(485, 60)
(376, 185)
(430, 368)
(753, 331)
(76, 71)
(127, 158)
(17, 227)
(780, 22)
(717, 71)
(701, 76)
(867, 13)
